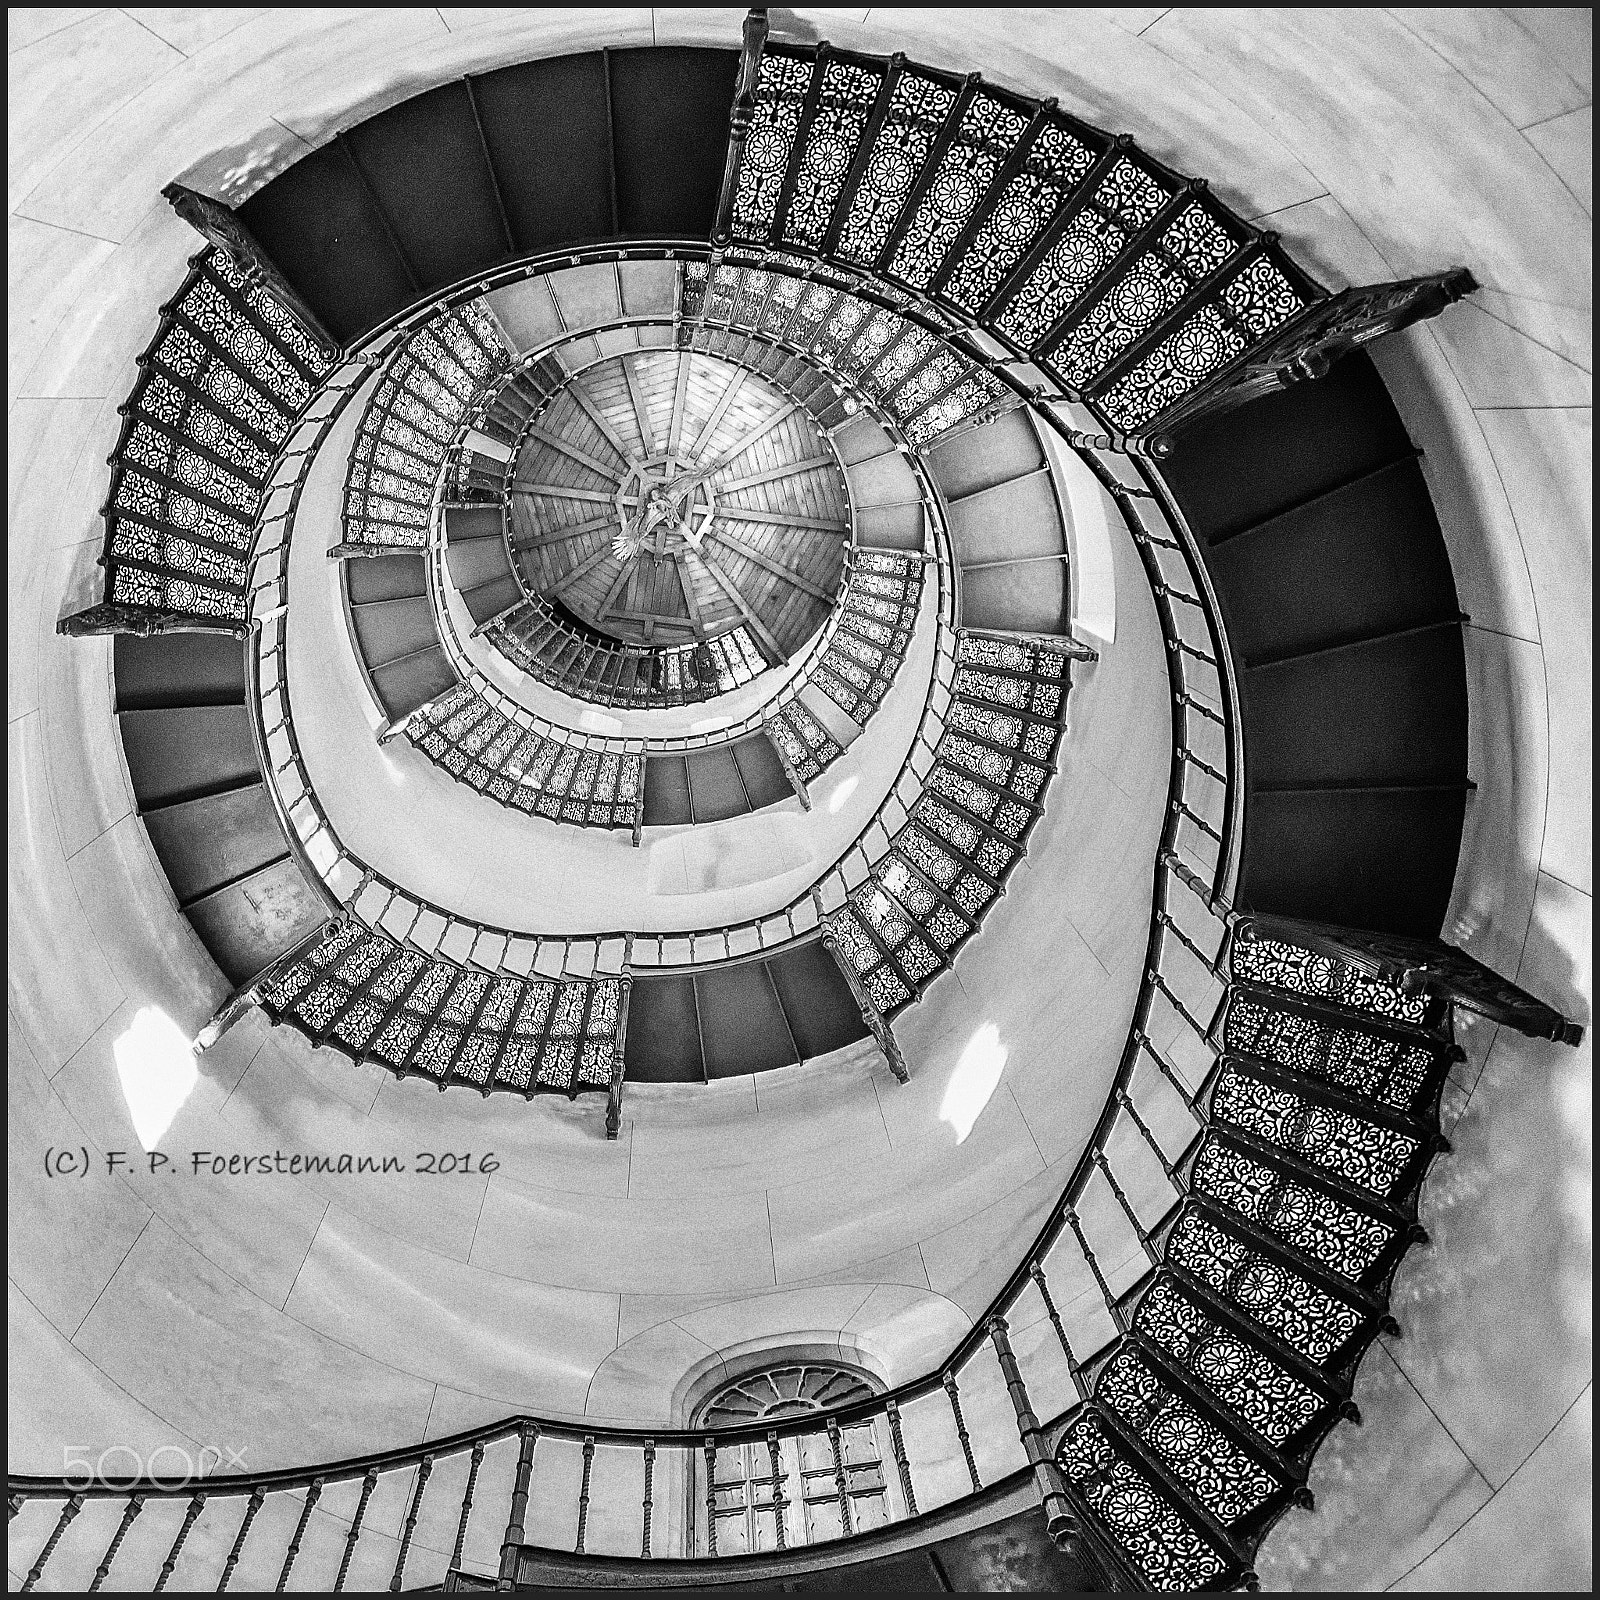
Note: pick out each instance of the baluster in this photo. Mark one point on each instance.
(135, 1506)
(1126, 1102)
(1183, 1091)
(313, 1494)
(841, 1480)
(1186, 754)
(583, 1491)
(190, 1516)
(897, 1444)
(1036, 1272)
(424, 1469)
(1165, 919)
(1190, 703)
(252, 1506)
(961, 1429)
(1200, 822)
(368, 1484)
(711, 1496)
(73, 1505)
(1060, 1523)
(1099, 1277)
(1127, 1209)
(1155, 978)
(779, 1503)
(466, 1504)
(512, 1543)
(649, 1494)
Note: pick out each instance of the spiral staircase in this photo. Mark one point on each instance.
(818, 364)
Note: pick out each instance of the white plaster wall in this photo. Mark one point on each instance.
(1380, 143)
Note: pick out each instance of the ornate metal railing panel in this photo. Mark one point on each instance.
(220, 386)
(924, 385)
(968, 829)
(418, 408)
(876, 621)
(566, 656)
(525, 769)
(366, 993)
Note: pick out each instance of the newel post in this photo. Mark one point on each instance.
(877, 1024)
(222, 226)
(739, 120)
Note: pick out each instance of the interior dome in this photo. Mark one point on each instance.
(672, 441)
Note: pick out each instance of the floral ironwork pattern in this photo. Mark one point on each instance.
(219, 388)
(1276, 965)
(874, 631)
(988, 132)
(844, 106)
(419, 406)
(985, 789)
(1166, 1545)
(780, 95)
(525, 769)
(1226, 1478)
(419, 1014)
(1259, 1391)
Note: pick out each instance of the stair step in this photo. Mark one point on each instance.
(1008, 448)
(176, 670)
(206, 843)
(186, 752)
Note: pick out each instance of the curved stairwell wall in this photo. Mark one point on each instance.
(1508, 1272)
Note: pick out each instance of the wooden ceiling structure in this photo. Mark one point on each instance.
(665, 496)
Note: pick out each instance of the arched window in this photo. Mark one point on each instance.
(744, 1483)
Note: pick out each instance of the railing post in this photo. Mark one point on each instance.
(511, 1545)
(877, 1024)
(368, 1484)
(253, 1505)
(72, 1506)
(1315, 338)
(796, 782)
(954, 1396)
(897, 1443)
(141, 622)
(190, 1517)
(1153, 447)
(1059, 1521)
(583, 1492)
(618, 1060)
(711, 1496)
(308, 1505)
(130, 1513)
(779, 1503)
(424, 1468)
(841, 1479)
(739, 120)
(249, 994)
(649, 1495)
